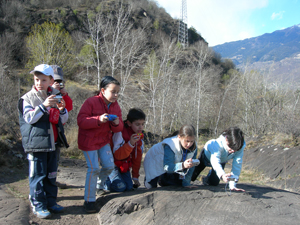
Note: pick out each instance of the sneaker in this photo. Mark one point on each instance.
(61, 185)
(89, 207)
(43, 214)
(102, 192)
(56, 208)
(205, 180)
(147, 185)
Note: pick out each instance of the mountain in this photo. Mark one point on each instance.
(276, 54)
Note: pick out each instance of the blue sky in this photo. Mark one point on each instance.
(220, 21)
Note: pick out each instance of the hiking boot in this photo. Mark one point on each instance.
(56, 208)
(90, 207)
(43, 214)
(61, 185)
(102, 192)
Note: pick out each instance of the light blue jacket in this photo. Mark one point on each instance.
(215, 151)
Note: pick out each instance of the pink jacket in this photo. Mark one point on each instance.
(92, 134)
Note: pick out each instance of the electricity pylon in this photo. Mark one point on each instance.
(183, 29)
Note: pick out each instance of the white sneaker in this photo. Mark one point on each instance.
(147, 185)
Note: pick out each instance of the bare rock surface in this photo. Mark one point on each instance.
(275, 162)
(201, 205)
(168, 205)
(13, 211)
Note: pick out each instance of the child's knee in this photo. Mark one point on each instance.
(118, 186)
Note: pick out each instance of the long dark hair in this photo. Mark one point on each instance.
(235, 138)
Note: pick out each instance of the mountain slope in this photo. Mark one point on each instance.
(274, 46)
(276, 55)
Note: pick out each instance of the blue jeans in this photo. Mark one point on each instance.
(106, 158)
(119, 182)
(42, 178)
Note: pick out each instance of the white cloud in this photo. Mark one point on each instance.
(277, 16)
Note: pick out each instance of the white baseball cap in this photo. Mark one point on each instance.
(45, 69)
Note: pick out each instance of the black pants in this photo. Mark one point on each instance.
(166, 179)
(212, 178)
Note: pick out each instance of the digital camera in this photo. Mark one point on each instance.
(61, 85)
(195, 162)
(111, 117)
(58, 97)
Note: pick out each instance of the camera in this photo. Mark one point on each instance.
(58, 97)
(61, 85)
(195, 162)
(111, 117)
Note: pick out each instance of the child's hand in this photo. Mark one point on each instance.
(225, 177)
(103, 118)
(56, 85)
(50, 101)
(63, 91)
(238, 189)
(134, 139)
(188, 163)
(116, 121)
(61, 106)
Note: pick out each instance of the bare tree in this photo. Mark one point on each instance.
(94, 26)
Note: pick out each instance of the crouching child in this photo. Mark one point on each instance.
(127, 147)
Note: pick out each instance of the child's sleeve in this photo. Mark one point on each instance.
(238, 161)
(136, 161)
(187, 180)
(117, 128)
(32, 114)
(69, 102)
(215, 158)
(121, 150)
(85, 120)
(64, 115)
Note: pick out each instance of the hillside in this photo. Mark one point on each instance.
(275, 54)
(274, 46)
(18, 17)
